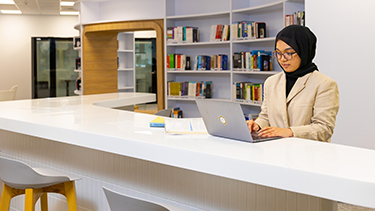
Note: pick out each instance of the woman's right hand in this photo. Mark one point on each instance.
(253, 127)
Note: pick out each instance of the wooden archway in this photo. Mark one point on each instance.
(99, 55)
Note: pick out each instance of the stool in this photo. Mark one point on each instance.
(121, 202)
(35, 183)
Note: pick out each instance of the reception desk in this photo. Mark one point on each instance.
(83, 136)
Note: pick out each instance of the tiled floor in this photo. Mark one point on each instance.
(349, 207)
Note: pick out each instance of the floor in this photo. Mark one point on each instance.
(149, 108)
(349, 207)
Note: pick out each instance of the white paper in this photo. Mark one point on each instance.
(185, 125)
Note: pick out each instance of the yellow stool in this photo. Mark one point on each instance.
(35, 183)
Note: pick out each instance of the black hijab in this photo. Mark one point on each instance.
(303, 41)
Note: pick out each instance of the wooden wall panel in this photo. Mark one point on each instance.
(100, 61)
(99, 55)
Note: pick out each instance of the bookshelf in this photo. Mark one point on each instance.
(200, 14)
(77, 43)
(126, 62)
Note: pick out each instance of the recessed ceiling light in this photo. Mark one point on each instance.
(10, 11)
(67, 3)
(69, 13)
(7, 2)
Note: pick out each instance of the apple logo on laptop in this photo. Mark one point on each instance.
(222, 120)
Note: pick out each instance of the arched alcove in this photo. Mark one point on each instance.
(99, 55)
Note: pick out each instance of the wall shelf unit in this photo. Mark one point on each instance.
(202, 15)
(126, 62)
(77, 45)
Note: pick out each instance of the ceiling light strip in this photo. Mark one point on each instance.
(10, 11)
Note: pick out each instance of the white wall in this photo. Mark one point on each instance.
(119, 10)
(345, 31)
(346, 46)
(15, 44)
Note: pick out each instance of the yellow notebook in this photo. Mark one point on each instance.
(157, 122)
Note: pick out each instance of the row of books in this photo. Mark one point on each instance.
(202, 62)
(190, 89)
(177, 112)
(298, 18)
(248, 91)
(183, 34)
(220, 32)
(256, 60)
(248, 30)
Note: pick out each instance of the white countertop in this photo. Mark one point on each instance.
(327, 170)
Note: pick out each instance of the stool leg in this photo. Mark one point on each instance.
(44, 202)
(70, 194)
(6, 197)
(29, 200)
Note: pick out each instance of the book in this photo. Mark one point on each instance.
(177, 113)
(78, 63)
(237, 61)
(174, 88)
(157, 122)
(208, 89)
(77, 42)
(261, 29)
(188, 63)
(168, 62)
(185, 126)
(171, 61)
(264, 62)
(192, 88)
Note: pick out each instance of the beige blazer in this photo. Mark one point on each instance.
(310, 109)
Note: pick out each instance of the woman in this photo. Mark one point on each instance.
(300, 101)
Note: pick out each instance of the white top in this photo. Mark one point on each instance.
(320, 169)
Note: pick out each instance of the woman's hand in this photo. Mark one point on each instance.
(269, 132)
(253, 127)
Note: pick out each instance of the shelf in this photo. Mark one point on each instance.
(179, 98)
(256, 72)
(126, 88)
(198, 43)
(77, 26)
(199, 71)
(77, 48)
(198, 16)
(262, 8)
(251, 103)
(78, 92)
(267, 39)
(77, 71)
(298, 1)
(125, 69)
(125, 51)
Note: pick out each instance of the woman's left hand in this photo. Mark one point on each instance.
(275, 131)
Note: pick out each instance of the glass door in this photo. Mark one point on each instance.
(145, 70)
(53, 67)
(145, 65)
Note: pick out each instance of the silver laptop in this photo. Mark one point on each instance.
(226, 119)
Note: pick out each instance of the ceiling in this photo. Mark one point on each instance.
(38, 7)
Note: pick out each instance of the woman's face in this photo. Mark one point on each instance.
(292, 60)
